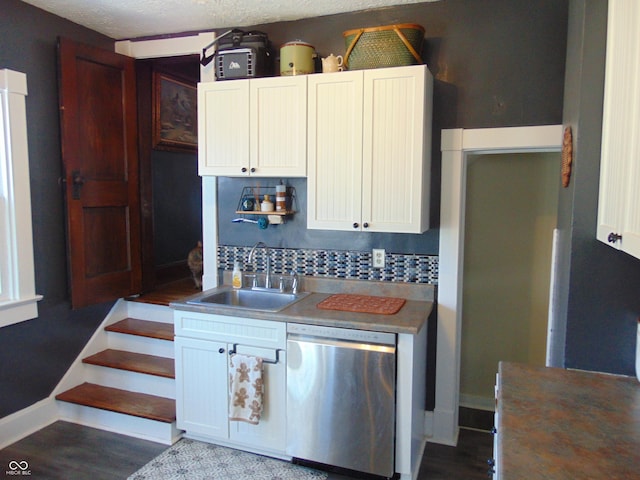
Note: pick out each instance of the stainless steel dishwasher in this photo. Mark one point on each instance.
(341, 397)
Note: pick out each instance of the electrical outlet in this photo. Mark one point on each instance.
(378, 257)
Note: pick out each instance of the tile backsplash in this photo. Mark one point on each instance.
(346, 264)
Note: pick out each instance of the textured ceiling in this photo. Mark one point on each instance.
(125, 19)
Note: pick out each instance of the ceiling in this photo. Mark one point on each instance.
(125, 19)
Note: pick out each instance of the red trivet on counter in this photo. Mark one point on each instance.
(362, 303)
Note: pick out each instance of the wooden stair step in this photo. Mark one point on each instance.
(121, 401)
(134, 362)
(143, 328)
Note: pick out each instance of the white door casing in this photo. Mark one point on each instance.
(456, 146)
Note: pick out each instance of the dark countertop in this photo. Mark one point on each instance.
(566, 424)
(410, 319)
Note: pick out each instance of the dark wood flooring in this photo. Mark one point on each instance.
(73, 452)
(169, 292)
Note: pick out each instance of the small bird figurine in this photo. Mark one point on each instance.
(194, 260)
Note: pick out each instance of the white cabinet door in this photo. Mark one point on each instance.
(202, 345)
(201, 387)
(369, 150)
(396, 143)
(619, 196)
(278, 120)
(223, 128)
(270, 433)
(334, 185)
(253, 127)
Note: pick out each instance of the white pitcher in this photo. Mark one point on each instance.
(332, 64)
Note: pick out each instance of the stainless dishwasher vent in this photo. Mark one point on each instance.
(341, 397)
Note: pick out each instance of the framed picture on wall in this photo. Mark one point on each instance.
(175, 114)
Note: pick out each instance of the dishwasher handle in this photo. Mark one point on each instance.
(346, 334)
(338, 343)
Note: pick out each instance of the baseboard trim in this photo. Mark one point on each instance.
(442, 427)
(477, 402)
(29, 420)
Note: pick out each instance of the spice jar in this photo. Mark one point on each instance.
(281, 198)
(266, 205)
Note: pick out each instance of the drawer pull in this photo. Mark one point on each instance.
(614, 237)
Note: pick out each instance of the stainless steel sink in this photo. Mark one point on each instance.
(251, 299)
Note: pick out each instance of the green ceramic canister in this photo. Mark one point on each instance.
(297, 58)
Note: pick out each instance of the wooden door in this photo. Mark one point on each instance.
(100, 168)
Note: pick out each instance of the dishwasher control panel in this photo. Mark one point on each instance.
(348, 334)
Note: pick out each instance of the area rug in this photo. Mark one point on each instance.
(192, 460)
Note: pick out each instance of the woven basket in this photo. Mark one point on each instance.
(386, 46)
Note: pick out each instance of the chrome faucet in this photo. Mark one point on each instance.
(294, 282)
(267, 280)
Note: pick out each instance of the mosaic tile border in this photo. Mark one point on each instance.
(399, 267)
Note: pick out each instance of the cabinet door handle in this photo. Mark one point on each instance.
(244, 170)
(221, 350)
(614, 237)
(355, 225)
(365, 225)
(253, 169)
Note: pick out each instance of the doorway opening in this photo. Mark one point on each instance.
(510, 214)
(170, 188)
(459, 147)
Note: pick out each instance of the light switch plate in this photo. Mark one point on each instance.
(378, 257)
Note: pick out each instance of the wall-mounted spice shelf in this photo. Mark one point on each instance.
(251, 197)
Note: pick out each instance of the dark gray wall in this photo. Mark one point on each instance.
(177, 205)
(35, 354)
(599, 285)
(496, 63)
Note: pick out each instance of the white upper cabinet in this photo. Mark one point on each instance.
(223, 128)
(369, 150)
(253, 127)
(619, 197)
(334, 185)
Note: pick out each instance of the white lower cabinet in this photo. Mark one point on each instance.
(202, 346)
(201, 387)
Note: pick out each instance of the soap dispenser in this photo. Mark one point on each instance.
(236, 276)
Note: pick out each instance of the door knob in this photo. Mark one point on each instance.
(77, 181)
